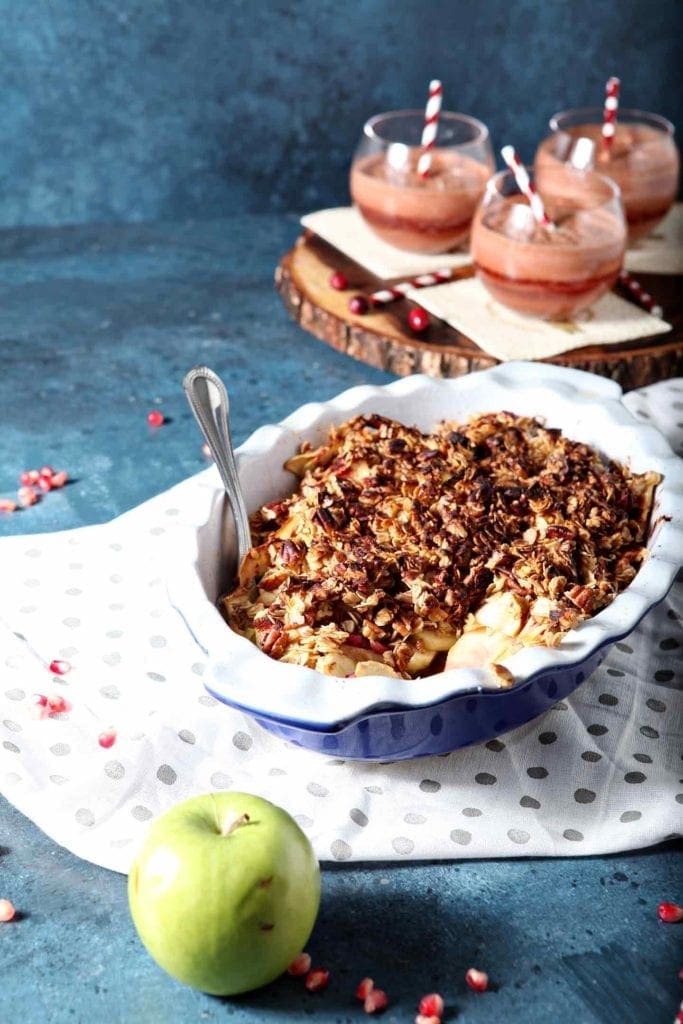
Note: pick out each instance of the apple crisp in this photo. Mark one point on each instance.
(406, 553)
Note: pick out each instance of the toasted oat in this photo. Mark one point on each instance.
(398, 544)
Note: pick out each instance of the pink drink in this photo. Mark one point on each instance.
(642, 159)
(552, 274)
(430, 214)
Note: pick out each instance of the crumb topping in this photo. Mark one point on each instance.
(404, 553)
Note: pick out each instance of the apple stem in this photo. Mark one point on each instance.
(232, 822)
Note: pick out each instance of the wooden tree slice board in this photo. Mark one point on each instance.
(383, 339)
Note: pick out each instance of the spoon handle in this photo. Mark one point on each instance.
(209, 402)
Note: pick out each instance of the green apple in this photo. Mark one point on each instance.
(224, 892)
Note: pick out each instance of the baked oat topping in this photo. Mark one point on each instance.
(404, 553)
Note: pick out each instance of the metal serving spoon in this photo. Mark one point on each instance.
(208, 400)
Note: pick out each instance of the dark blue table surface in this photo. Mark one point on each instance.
(98, 326)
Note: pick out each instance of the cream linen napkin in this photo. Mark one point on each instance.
(505, 334)
(596, 774)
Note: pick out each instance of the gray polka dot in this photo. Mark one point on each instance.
(495, 745)
(73, 592)
(625, 648)
(156, 677)
(403, 845)
(340, 850)
(110, 691)
(71, 622)
(219, 780)
(60, 749)
(608, 699)
(166, 774)
(15, 693)
(116, 607)
(537, 773)
(597, 730)
(33, 553)
(58, 780)
(303, 821)
(116, 547)
(12, 747)
(547, 737)
(12, 726)
(634, 777)
(485, 779)
(114, 634)
(118, 844)
(198, 668)
(277, 771)
(76, 565)
(643, 758)
(519, 836)
(157, 641)
(358, 817)
(656, 705)
(584, 796)
(114, 769)
(375, 790)
(242, 740)
(572, 835)
(112, 659)
(679, 798)
(208, 701)
(461, 836)
(28, 609)
(591, 755)
(630, 816)
(116, 577)
(157, 531)
(430, 786)
(616, 673)
(186, 736)
(528, 801)
(141, 813)
(472, 812)
(663, 675)
(32, 583)
(172, 512)
(649, 732)
(414, 819)
(669, 644)
(85, 817)
(316, 790)
(560, 706)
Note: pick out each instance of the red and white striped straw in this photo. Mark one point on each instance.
(397, 291)
(642, 297)
(431, 125)
(609, 113)
(526, 186)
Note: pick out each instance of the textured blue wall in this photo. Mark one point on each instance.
(147, 109)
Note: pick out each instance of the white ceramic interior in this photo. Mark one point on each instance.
(585, 407)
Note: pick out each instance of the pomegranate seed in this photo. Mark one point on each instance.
(7, 505)
(45, 483)
(365, 988)
(418, 320)
(478, 980)
(155, 418)
(107, 738)
(7, 910)
(59, 479)
(27, 496)
(47, 471)
(670, 913)
(358, 305)
(375, 1001)
(431, 1005)
(421, 1019)
(300, 965)
(56, 703)
(59, 668)
(28, 477)
(40, 700)
(317, 979)
(339, 281)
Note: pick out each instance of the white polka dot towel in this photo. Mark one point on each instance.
(598, 773)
